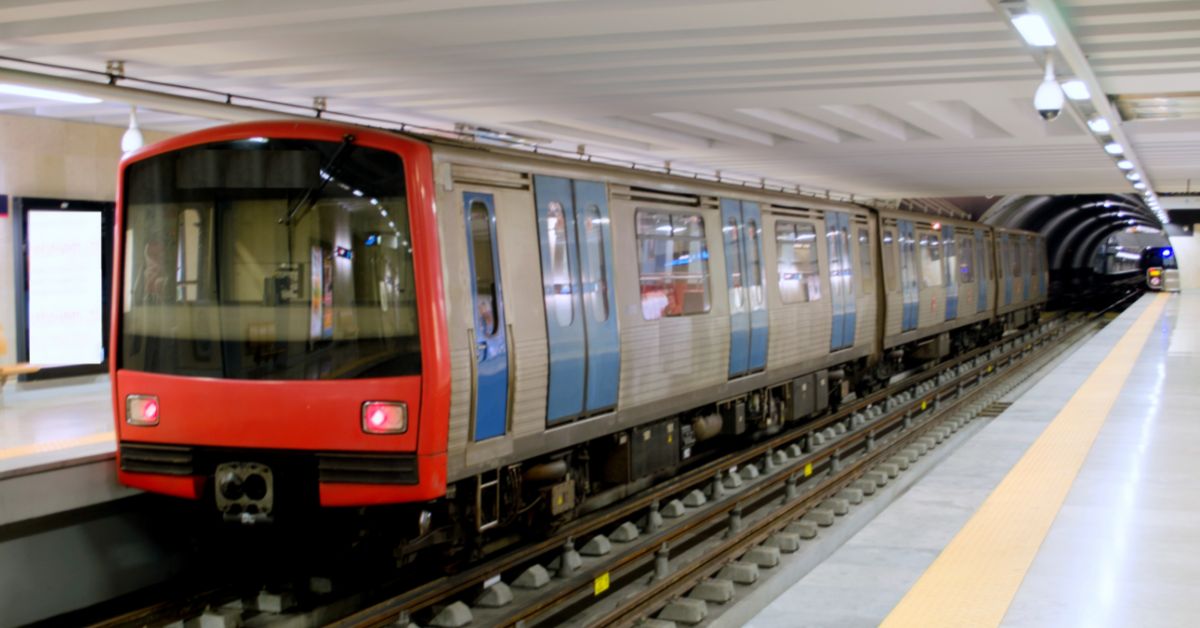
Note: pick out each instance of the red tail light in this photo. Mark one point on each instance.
(384, 417)
(141, 410)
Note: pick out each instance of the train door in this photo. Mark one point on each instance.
(950, 260)
(841, 279)
(741, 229)
(1006, 267)
(489, 338)
(981, 273)
(581, 332)
(908, 275)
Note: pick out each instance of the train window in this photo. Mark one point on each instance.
(560, 264)
(187, 259)
(966, 260)
(931, 260)
(754, 265)
(734, 263)
(1014, 256)
(1029, 255)
(673, 264)
(864, 256)
(485, 273)
(889, 259)
(594, 275)
(799, 267)
(987, 259)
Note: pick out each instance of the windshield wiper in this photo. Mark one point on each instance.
(313, 192)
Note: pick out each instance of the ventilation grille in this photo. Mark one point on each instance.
(352, 468)
(159, 459)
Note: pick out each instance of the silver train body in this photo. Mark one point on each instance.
(711, 337)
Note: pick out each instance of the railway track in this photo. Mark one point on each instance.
(646, 556)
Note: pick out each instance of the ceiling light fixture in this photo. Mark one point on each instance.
(1133, 176)
(1033, 29)
(1139, 185)
(46, 94)
(1125, 164)
(1076, 89)
(1113, 148)
(1099, 125)
(132, 139)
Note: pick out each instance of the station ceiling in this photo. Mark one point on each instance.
(920, 98)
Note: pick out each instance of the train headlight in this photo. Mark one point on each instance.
(384, 417)
(142, 410)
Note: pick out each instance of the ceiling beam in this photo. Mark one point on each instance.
(800, 127)
(1073, 54)
(719, 126)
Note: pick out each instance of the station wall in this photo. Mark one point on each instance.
(1187, 248)
(51, 158)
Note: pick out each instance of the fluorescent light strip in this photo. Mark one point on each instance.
(46, 94)
(1033, 29)
(1076, 89)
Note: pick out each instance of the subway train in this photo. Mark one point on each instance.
(311, 315)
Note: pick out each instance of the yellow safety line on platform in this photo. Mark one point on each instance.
(974, 579)
(57, 445)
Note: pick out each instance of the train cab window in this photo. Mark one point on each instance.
(187, 259)
(594, 275)
(673, 264)
(799, 266)
(931, 260)
(754, 279)
(966, 260)
(485, 273)
(889, 257)
(864, 256)
(560, 264)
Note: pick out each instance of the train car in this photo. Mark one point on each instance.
(1022, 277)
(939, 294)
(310, 314)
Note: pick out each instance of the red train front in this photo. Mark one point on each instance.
(278, 332)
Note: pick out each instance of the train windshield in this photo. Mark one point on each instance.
(269, 259)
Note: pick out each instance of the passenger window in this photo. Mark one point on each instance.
(889, 259)
(594, 275)
(864, 256)
(931, 260)
(485, 274)
(673, 264)
(966, 260)
(799, 268)
(754, 265)
(560, 264)
(735, 263)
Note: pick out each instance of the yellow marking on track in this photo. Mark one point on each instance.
(974, 579)
(58, 445)
(600, 584)
(807, 469)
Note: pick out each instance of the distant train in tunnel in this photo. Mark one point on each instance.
(1161, 268)
(314, 314)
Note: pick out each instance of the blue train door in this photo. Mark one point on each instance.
(981, 273)
(951, 262)
(581, 332)
(490, 340)
(908, 274)
(1006, 267)
(841, 279)
(741, 229)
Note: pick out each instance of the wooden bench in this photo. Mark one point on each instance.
(13, 370)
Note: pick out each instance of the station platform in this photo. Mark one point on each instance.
(57, 450)
(1076, 506)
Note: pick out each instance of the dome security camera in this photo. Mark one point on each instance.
(1048, 100)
